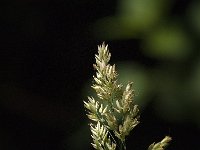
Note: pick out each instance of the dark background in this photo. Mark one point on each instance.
(46, 54)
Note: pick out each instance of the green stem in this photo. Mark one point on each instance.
(122, 145)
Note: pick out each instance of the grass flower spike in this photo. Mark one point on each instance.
(160, 145)
(113, 112)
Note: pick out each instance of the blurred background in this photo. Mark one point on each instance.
(46, 54)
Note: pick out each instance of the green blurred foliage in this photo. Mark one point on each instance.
(134, 17)
(168, 42)
(141, 14)
(171, 39)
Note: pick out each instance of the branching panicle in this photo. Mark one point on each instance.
(113, 112)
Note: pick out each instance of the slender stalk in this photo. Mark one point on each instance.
(122, 145)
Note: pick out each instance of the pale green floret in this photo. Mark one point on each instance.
(160, 145)
(101, 140)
